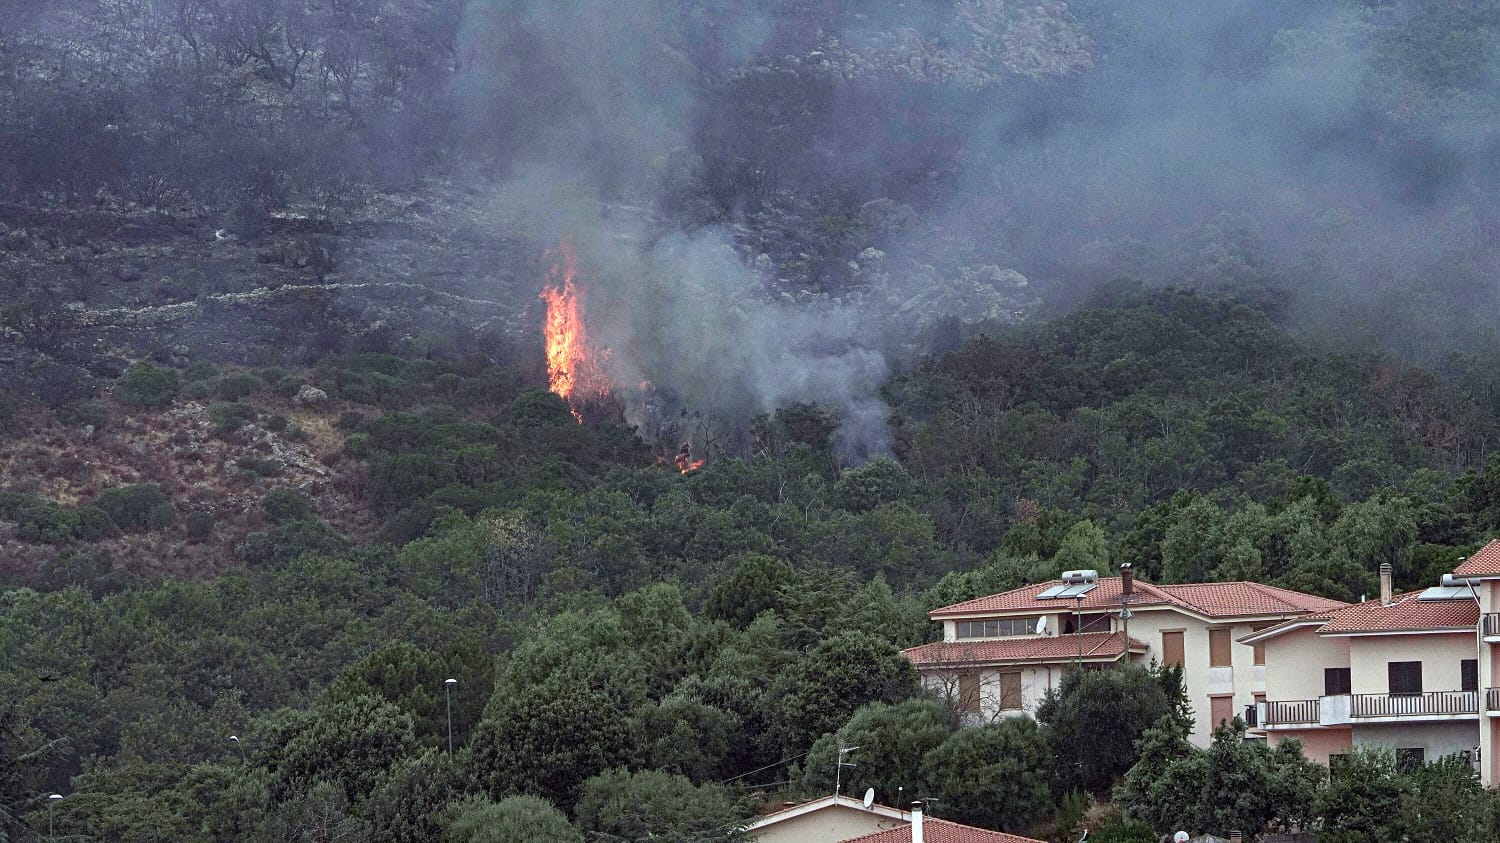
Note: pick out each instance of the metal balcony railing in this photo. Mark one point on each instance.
(1287, 712)
(1416, 705)
(1492, 699)
(1491, 623)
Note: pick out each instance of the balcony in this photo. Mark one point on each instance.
(1433, 705)
(1492, 700)
(1491, 621)
(1291, 713)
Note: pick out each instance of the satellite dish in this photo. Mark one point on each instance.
(869, 796)
(1180, 837)
(1041, 625)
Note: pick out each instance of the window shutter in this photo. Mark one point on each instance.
(1218, 648)
(1171, 649)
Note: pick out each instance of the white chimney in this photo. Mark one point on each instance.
(1385, 583)
(916, 823)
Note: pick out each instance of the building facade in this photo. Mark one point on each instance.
(1001, 654)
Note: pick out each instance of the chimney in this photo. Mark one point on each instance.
(1127, 579)
(1385, 583)
(916, 823)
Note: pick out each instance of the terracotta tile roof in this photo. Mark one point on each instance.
(1040, 648)
(1484, 563)
(1215, 600)
(1231, 599)
(1406, 612)
(935, 830)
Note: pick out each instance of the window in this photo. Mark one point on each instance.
(1468, 671)
(968, 693)
(1410, 758)
(1010, 691)
(1171, 648)
(1218, 648)
(1221, 709)
(1405, 677)
(1336, 680)
(998, 628)
(1092, 622)
(1259, 648)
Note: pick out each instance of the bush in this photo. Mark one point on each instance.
(286, 542)
(200, 524)
(200, 370)
(227, 418)
(94, 524)
(91, 412)
(350, 420)
(277, 423)
(235, 387)
(281, 506)
(46, 523)
(147, 385)
(358, 445)
(259, 466)
(137, 508)
(288, 386)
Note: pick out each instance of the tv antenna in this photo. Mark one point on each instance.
(838, 772)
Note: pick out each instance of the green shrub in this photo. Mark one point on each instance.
(259, 466)
(352, 421)
(227, 418)
(286, 542)
(288, 386)
(8, 407)
(200, 524)
(358, 445)
(94, 524)
(147, 385)
(281, 506)
(89, 412)
(200, 370)
(137, 508)
(237, 386)
(46, 523)
(198, 390)
(277, 423)
(12, 504)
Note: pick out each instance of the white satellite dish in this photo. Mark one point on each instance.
(869, 796)
(1041, 625)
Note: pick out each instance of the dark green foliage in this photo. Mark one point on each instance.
(85, 413)
(87, 570)
(237, 386)
(993, 776)
(137, 508)
(754, 585)
(281, 506)
(892, 741)
(840, 674)
(652, 805)
(199, 524)
(1130, 700)
(515, 819)
(409, 803)
(147, 385)
(229, 417)
(289, 540)
(348, 742)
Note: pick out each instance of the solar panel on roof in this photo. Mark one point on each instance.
(1076, 590)
(1438, 592)
(1051, 592)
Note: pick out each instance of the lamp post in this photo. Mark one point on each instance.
(448, 692)
(235, 739)
(51, 799)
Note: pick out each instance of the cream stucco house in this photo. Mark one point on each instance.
(1001, 654)
(840, 819)
(1413, 672)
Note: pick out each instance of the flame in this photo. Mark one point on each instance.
(573, 366)
(684, 460)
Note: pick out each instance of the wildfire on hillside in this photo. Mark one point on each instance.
(575, 368)
(684, 460)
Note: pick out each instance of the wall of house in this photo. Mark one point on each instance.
(1242, 679)
(1439, 653)
(1437, 739)
(1295, 662)
(835, 822)
(1317, 744)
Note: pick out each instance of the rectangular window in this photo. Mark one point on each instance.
(1468, 670)
(1218, 648)
(1410, 758)
(1010, 691)
(1221, 709)
(1260, 648)
(1171, 648)
(1336, 680)
(968, 693)
(1000, 628)
(1405, 677)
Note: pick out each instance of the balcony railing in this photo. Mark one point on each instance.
(1416, 705)
(1492, 699)
(1491, 623)
(1287, 712)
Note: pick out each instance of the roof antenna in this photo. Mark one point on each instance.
(838, 773)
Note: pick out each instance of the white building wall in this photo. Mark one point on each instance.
(1435, 739)
(1439, 653)
(1295, 662)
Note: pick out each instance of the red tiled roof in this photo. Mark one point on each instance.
(1215, 600)
(1406, 612)
(1040, 648)
(935, 830)
(1484, 563)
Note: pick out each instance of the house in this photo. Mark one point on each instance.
(1413, 672)
(827, 820)
(1001, 654)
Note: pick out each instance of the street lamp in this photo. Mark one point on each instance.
(448, 692)
(51, 799)
(235, 739)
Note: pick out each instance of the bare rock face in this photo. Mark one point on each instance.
(309, 395)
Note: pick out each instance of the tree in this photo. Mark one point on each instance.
(653, 805)
(147, 385)
(1361, 802)
(349, 743)
(1084, 547)
(1129, 699)
(993, 776)
(841, 674)
(754, 585)
(516, 819)
(892, 741)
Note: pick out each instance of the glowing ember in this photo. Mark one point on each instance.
(573, 367)
(684, 460)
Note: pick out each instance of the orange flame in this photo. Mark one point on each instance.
(573, 369)
(684, 460)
